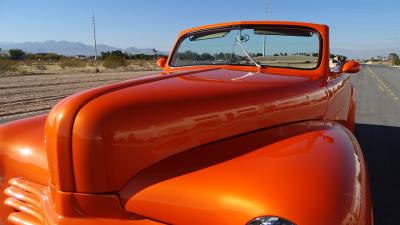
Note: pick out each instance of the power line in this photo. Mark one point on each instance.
(94, 38)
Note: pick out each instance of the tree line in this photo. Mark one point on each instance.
(395, 59)
(191, 55)
(18, 54)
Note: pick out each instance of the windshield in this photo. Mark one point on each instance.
(259, 46)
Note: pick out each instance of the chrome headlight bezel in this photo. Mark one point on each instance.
(269, 220)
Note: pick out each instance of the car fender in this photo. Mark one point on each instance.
(309, 173)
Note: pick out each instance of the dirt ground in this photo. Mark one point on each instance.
(28, 95)
(72, 66)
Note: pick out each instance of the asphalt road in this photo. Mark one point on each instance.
(378, 132)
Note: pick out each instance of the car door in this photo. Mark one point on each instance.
(339, 87)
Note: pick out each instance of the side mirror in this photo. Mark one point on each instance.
(162, 61)
(351, 66)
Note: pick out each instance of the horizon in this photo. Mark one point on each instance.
(350, 22)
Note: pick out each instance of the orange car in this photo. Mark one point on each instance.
(246, 124)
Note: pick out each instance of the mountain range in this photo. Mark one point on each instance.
(71, 48)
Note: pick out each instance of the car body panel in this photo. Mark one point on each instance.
(22, 154)
(306, 172)
(59, 125)
(340, 89)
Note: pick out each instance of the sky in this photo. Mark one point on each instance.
(354, 24)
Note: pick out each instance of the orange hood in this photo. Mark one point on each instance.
(98, 140)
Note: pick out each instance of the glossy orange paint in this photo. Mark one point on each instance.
(199, 145)
(351, 66)
(38, 204)
(59, 125)
(340, 92)
(161, 62)
(234, 102)
(22, 155)
(307, 172)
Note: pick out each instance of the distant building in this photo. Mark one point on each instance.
(4, 53)
(81, 57)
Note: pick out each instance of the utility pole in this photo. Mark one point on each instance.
(266, 10)
(94, 38)
(265, 36)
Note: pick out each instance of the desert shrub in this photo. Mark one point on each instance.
(28, 62)
(114, 61)
(396, 62)
(44, 56)
(73, 63)
(114, 53)
(92, 63)
(395, 59)
(146, 57)
(137, 63)
(41, 66)
(7, 65)
(17, 54)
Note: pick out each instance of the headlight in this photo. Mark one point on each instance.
(269, 220)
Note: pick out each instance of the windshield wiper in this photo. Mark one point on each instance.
(248, 55)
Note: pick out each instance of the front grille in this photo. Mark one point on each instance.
(24, 197)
